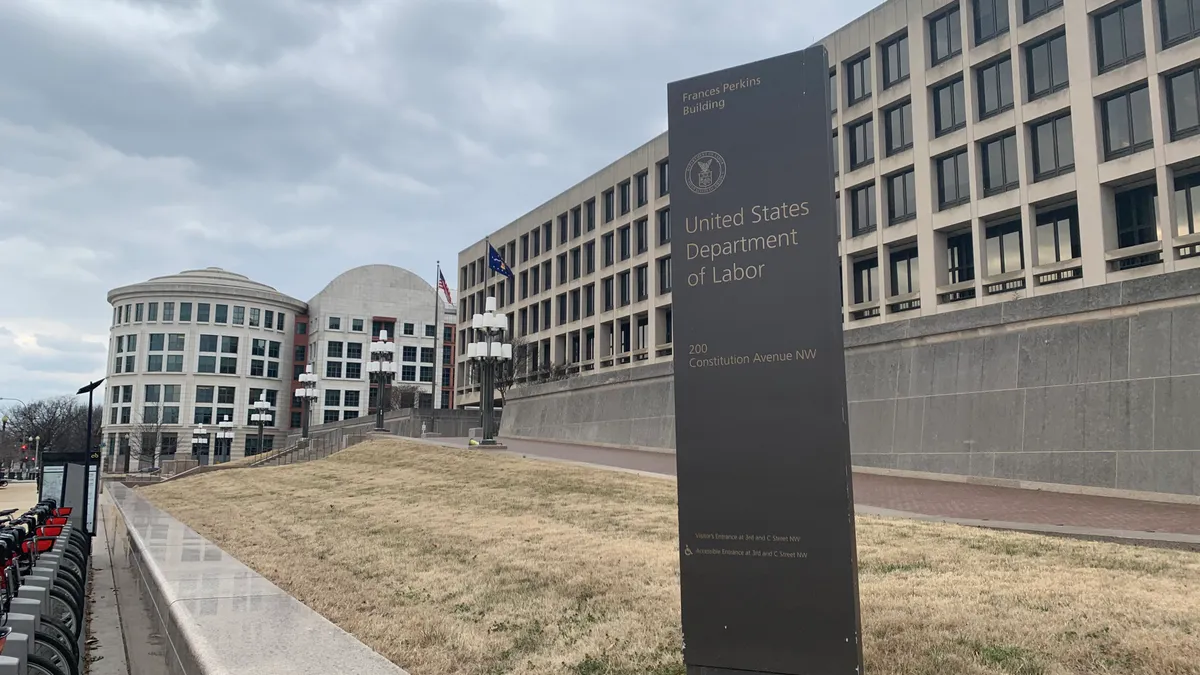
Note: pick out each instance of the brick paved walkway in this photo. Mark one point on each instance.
(932, 497)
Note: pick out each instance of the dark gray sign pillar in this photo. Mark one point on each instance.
(766, 514)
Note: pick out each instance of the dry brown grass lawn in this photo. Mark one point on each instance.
(451, 561)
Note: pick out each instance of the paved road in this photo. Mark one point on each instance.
(960, 501)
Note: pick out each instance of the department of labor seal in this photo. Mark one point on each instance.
(705, 173)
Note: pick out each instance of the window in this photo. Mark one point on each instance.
(229, 344)
(1183, 102)
(168, 313)
(895, 61)
(945, 36)
(137, 313)
(428, 354)
(258, 347)
(858, 79)
(1003, 248)
(1187, 204)
(350, 399)
(426, 374)
(205, 394)
(664, 275)
(333, 397)
(902, 197)
(995, 88)
(610, 210)
(833, 97)
(175, 342)
(255, 317)
(185, 311)
(954, 181)
(1058, 235)
(333, 369)
(1053, 148)
(866, 280)
(624, 194)
(410, 329)
(664, 171)
(174, 363)
(606, 294)
(1180, 21)
(152, 311)
(861, 137)
(239, 315)
(999, 157)
(353, 371)
(1046, 62)
(256, 368)
(208, 343)
(641, 282)
(642, 188)
(202, 311)
(268, 319)
(154, 363)
(664, 226)
(837, 154)
(576, 225)
(1137, 216)
(301, 328)
(409, 353)
(1119, 38)
(152, 392)
(564, 229)
(623, 242)
(905, 272)
(524, 250)
(334, 350)
(1126, 119)
(1036, 8)
(562, 269)
(156, 342)
(202, 415)
(589, 208)
(589, 300)
(641, 236)
(273, 351)
(335, 323)
(228, 366)
(225, 395)
(354, 350)
(608, 248)
(898, 128)
(222, 314)
(991, 19)
(206, 364)
(949, 109)
(862, 215)
(408, 373)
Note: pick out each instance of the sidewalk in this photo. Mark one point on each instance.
(963, 503)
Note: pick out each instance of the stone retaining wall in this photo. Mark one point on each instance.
(1096, 387)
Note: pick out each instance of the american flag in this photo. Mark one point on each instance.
(445, 288)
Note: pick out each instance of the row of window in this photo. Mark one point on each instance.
(1119, 40)
(166, 445)
(216, 313)
(616, 201)
(359, 326)
(353, 371)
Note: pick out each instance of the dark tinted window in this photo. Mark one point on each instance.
(1182, 103)
(991, 19)
(861, 137)
(1053, 148)
(898, 128)
(1137, 221)
(1180, 20)
(1126, 119)
(1047, 64)
(895, 61)
(949, 109)
(902, 197)
(858, 79)
(1119, 38)
(862, 205)
(945, 36)
(995, 88)
(999, 160)
(1036, 8)
(954, 179)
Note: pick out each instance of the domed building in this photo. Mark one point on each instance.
(192, 349)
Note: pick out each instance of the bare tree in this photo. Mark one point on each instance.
(60, 422)
(144, 442)
(524, 364)
(402, 395)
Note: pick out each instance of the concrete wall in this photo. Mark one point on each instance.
(1098, 387)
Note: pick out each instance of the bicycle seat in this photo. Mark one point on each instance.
(8, 512)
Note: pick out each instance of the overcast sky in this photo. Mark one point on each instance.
(291, 140)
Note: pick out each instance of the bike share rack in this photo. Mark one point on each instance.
(72, 480)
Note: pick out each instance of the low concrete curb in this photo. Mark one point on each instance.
(220, 617)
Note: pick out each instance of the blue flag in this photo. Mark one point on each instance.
(497, 263)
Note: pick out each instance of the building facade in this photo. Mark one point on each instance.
(1021, 171)
(192, 349)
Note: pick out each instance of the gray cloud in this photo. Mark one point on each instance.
(142, 137)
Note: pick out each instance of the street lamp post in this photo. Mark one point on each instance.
(382, 364)
(225, 433)
(489, 351)
(308, 392)
(261, 416)
(199, 442)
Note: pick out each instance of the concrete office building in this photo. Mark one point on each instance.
(192, 348)
(1017, 188)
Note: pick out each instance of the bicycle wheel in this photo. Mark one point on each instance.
(75, 557)
(71, 567)
(56, 629)
(56, 653)
(36, 665)
(66, 582)
(64, 608)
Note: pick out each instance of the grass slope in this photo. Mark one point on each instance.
(449, 561)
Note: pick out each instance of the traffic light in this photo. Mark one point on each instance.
(24, 447)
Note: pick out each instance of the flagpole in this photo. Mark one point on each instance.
(437, 332)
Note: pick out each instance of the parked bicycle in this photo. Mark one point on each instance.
(55, 648)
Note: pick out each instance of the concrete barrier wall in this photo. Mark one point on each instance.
(1097, 387)
(220, 617)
